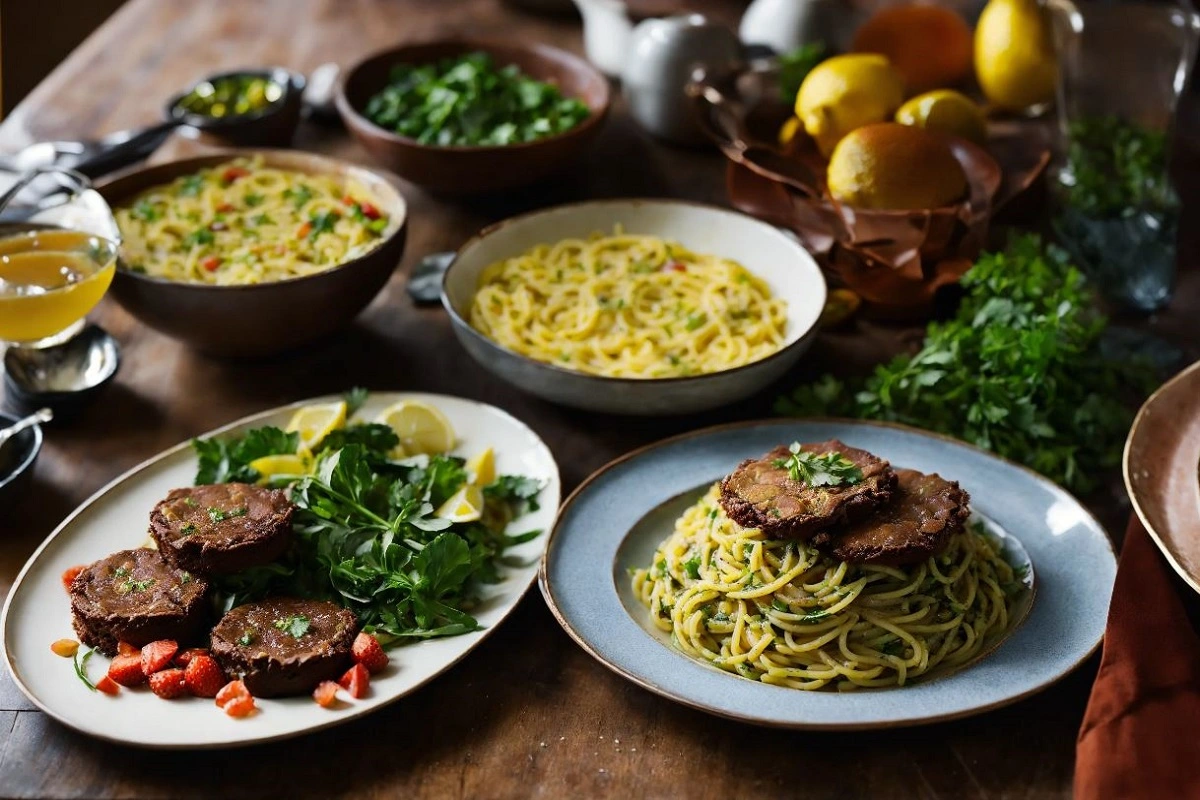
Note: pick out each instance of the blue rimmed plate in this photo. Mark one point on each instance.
(617, 518)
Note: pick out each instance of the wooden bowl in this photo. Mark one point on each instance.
(265, 318)
(465, 170)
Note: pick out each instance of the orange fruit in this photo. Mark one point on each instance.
(894, 166)
(930, 46)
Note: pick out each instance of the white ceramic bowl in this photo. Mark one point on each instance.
(772, 255)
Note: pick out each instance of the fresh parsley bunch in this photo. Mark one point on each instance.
(1018, 371)
(829, 469)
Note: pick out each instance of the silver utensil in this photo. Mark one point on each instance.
(44, 415)
(425, 283)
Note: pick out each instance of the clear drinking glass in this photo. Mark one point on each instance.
(1122, 69)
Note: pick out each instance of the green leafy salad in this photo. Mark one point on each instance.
(366, 536)
(1020, 370)
(469, 101)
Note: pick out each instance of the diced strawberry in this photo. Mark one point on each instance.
(369, 211)
(240, 707)
(127, 649)
(211, 263)
(168, 683)
(107, 685)
(367, 651)
(356, 681)
(184, 657)
(157, 655)
(231, 691)
(231, 174)
(127, 670)
(325, 694)
(204, 676)
(69, 576)
(65, 648)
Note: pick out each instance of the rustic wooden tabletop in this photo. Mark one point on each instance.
(528, 713)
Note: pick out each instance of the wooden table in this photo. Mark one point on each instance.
(528, 713)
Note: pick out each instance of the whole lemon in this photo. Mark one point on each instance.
(1014, 54)
(893, 166)
(945, 111)
(930, 46)
(846, 92)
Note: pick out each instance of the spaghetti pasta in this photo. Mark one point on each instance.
(243, 222)
(781, 612)
(627, 306)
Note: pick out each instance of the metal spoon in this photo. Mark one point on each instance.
(425, 283)
(44, 415)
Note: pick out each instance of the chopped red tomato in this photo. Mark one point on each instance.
(347, 200)
(325, 694)
(211, 263)
(69, 575)
(674, 266)
(369, 211)
(225, 208)
(356, 681)
(303, 230)
(231, 174)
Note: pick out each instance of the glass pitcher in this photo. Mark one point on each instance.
(1122, 69)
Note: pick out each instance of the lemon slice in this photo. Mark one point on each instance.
(482, 468)
(465, 505)
(271, 467)
(421, 428)
(314, 423)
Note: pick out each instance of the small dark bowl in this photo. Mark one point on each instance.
(460, 170)
(17, 457)
(66, 378)
(272, 126)
(265, 318)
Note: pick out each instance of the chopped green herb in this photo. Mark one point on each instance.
(322, 222)
(188, 529)
(200, 236)
(220, 515)
(692, 568)
(295, 626)
(246, 639)
(146, 211)
(191, 186)
(253, 200)
(298, 195)
(830, 469)
(190, 502)
(696, 320)
(893, 647)
(130, 585)
(80, 661)
(779, 605)
(120, 572)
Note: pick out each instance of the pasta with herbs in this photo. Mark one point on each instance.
(243, 222)
(627, 306)
(781, 612)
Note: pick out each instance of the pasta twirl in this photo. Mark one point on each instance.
(780, 612)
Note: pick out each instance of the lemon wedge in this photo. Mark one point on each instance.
(482, 468)
(314, 423)
(272, 467)
(465, 505)
(421, 427)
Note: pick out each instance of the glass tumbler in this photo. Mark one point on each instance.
(1122, 69)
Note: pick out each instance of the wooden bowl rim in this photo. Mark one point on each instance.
(544, 52)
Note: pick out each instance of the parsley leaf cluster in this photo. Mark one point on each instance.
(1019, 371)
(828, 469)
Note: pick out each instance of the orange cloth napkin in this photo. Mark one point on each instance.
(1140, 736)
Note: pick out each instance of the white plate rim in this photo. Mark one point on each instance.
(339, 719)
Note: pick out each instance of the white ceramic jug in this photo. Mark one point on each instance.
(784, 25)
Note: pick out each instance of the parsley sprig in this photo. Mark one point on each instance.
(828, 469)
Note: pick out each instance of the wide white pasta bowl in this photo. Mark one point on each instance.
(774, 256)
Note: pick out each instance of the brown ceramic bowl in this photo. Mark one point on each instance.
(265, 318)
(475, 170)
(272, 126)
